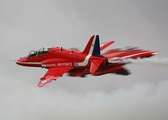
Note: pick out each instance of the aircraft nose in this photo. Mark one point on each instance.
(21, 60)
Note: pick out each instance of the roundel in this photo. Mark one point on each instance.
(75, 64)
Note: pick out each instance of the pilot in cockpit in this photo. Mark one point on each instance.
(38, 51)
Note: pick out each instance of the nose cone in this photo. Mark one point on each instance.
(21, 61)
(24, 61)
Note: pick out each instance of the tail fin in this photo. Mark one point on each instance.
(93, 46)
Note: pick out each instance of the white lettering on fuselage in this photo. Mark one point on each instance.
(64, 64)
(57, 64)
(48, 65)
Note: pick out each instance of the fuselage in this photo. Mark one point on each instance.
(55, 56)
(60, 57)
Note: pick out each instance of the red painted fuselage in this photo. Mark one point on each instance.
(59, 60)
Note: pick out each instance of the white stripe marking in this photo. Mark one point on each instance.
(85, 62)
(34, 63)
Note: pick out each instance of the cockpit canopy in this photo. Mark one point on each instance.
(38, 51)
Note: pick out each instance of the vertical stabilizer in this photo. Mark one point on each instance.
(92, 50)
(93, 46)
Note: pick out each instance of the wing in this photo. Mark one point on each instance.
(52, 74)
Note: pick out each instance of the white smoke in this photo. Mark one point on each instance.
(150, 61)
(144, 101)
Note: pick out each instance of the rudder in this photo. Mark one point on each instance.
(93, 46)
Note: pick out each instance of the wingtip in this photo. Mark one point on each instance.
(43, 83)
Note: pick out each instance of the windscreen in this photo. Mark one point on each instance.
(38, 51)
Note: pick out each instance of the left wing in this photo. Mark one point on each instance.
(52, 74)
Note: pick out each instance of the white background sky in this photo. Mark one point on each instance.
(25, 25)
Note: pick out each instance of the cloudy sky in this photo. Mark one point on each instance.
(25, 25)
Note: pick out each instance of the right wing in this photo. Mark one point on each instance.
(52, 74)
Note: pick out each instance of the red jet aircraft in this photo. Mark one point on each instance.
(90, 61)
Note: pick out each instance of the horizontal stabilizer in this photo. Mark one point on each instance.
(105, 45)
(95, 65)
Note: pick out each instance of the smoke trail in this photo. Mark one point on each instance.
(143, 101)
(150, 61)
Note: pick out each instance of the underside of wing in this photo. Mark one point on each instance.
(52, 74)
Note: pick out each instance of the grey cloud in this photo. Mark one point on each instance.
(142, 101)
